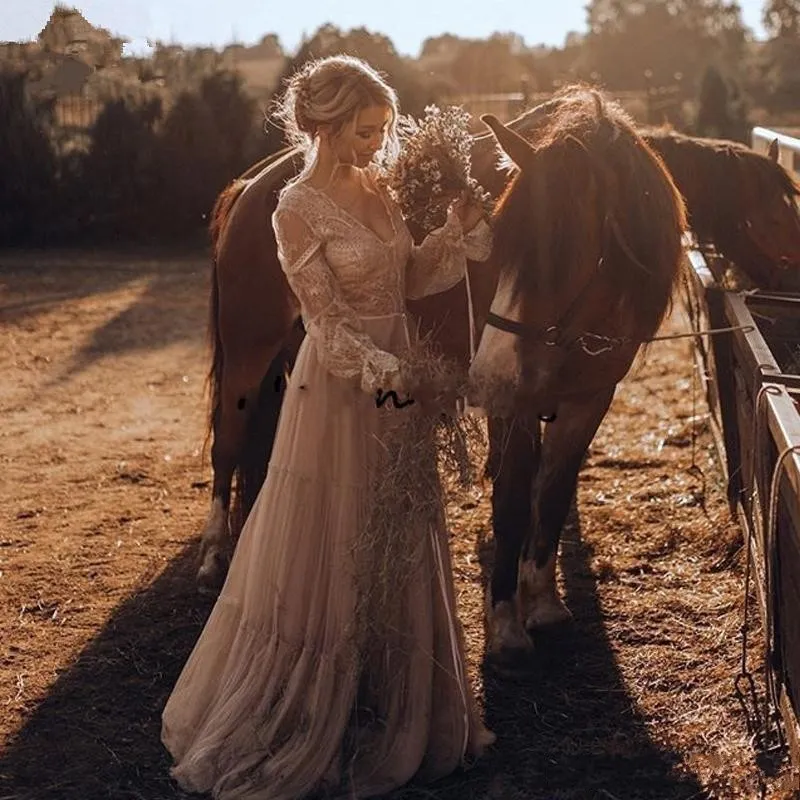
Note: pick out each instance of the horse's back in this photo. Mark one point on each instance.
(256, 305)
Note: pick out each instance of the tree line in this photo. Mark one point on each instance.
(150, 173)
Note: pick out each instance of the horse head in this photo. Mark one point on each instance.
(771, 221)
(587, 249)
(743, 203)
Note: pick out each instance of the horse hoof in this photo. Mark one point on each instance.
(507, 635)
(211, 575)
(480, 740)
(547, 612)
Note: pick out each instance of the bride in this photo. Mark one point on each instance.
(289, 691)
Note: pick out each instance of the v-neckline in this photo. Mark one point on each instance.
(340, 207)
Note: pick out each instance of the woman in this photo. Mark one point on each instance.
(289, 690)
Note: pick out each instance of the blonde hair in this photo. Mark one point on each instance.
(331, 91)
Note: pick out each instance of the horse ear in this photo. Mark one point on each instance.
(773, 151)
(514, 146)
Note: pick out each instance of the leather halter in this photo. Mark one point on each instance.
(556, 335)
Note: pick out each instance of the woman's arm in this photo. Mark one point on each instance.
(343, 347)
(440, 260)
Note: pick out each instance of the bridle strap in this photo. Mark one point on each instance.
(517, 328)
(553, 335)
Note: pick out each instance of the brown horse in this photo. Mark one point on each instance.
(587, 192)
(588, 251)
(742, 202)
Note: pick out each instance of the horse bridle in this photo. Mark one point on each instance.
(593, 344)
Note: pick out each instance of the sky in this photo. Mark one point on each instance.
(406, 22)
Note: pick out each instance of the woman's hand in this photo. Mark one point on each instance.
(468, 210)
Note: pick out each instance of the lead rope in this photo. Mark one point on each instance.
(471, 316)
(464, 408)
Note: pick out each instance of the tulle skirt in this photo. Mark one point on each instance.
(299, 683)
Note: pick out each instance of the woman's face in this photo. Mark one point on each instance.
(358, 142)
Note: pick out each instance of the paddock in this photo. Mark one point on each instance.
(105, 486)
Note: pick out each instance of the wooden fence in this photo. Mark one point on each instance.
(653, 106)
(751, 379)
(788, 146)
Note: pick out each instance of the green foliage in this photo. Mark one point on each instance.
(119, 176)
(780, 73)
(780, 63)
(661, 42)
(29, 164)
(722, 112)
(233, 114)
(190, 157)
(413, 89)
(493, 65)
(148, 173)
(782, 18)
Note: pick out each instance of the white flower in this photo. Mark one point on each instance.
(434, 165)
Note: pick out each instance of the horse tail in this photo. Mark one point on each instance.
(219, 216)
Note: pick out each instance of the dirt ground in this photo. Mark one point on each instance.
(104, 486)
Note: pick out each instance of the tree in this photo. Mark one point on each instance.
(191, 165)
(782, 18)
(29, 186)
(492, 65)
(781, 62)
(413, 89)
(721, 112)
(233, 113)
(633, 44)
(119, 177)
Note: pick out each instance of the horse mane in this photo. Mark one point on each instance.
(723, 158)
(591, 171)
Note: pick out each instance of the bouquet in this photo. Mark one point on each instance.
(433, 167)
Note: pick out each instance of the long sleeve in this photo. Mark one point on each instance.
(343, 347)
(440, 260)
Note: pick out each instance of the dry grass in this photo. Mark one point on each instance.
(105, 490)
(421, 446)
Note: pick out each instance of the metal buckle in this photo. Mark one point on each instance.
(607, 344)
(551, 336)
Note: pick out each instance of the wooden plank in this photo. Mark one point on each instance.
(734, 368)
(714, 358)
(784, 423)
(756, 353)
(783, 429)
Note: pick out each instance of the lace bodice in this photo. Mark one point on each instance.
(340, 270)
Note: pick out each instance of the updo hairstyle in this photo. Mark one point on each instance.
(332, 91)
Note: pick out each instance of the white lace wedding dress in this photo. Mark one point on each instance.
(278, 701)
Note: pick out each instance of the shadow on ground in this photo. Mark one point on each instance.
(567, 727)
(171, 308)
(567, 730)
(96, 735)
(169, 305)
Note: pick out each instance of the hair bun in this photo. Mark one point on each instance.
(330, 91)
(301, 84)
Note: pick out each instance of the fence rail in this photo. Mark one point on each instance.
(788, 146)
(754, 414)
(653, 106)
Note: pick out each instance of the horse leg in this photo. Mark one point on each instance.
(241, 384)
(238, 396)
(564, 445)
(513, 459)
